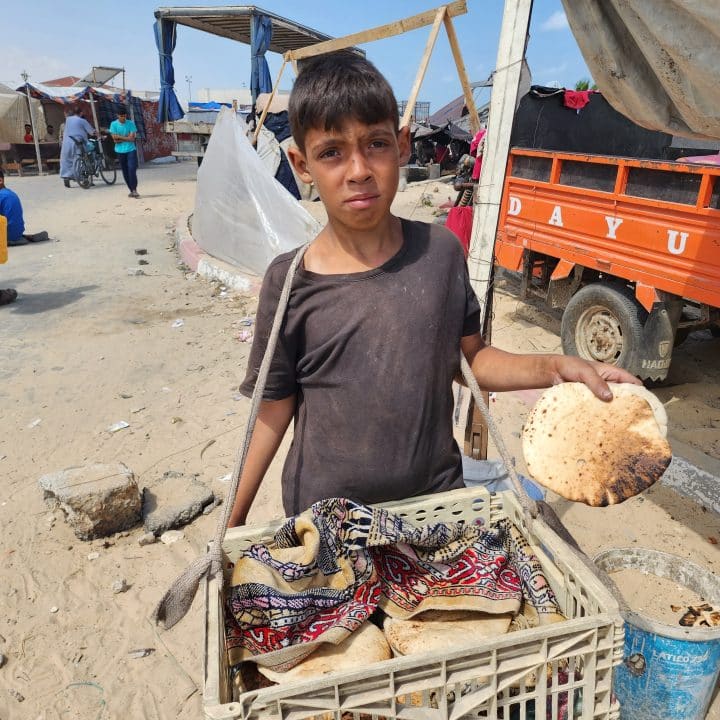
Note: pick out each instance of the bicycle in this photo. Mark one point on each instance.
(92, 162)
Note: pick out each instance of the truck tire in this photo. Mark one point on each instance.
(603, 322)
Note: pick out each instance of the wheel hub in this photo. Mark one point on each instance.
(599, 335)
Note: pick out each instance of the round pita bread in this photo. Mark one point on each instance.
(366, 645)
(438, 630)
(596, 452)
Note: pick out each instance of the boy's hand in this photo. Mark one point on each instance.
(596, 375)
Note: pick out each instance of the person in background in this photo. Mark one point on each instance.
(50, 135)
(28, 137)
(76, 128)
(123, 133)
(11, 208)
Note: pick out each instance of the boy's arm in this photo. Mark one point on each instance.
(500, 371)
(273, 419)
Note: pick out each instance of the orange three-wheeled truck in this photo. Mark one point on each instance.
(629, 248)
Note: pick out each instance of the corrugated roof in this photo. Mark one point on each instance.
(233, 22)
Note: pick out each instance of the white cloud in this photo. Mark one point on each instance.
(557, 21)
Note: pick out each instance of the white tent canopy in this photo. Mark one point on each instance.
(14, 114)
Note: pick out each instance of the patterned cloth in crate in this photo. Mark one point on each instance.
(332, 566)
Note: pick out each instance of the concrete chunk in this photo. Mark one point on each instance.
(173, 501)
(97, 500)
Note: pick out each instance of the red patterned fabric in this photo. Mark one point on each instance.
(576, 99)
(329, 569)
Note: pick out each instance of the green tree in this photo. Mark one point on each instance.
(585, 84)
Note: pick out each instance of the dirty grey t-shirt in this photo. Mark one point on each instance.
(371, 357)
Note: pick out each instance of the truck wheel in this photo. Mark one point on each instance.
(604, 323)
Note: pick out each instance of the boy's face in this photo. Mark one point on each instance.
(355, 170)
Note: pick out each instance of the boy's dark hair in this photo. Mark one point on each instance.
(335, 87)
(2, 174)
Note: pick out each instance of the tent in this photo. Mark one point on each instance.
(103, 106)
(14, 114)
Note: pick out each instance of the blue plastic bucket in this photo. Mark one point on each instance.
(668, 672)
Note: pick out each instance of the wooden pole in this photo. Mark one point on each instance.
(269, 102)
(462, 74)
(459, 7)
(410, 107)
(506, 81)
(32, 125)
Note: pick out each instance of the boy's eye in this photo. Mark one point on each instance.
(329, 153)
(379, 144)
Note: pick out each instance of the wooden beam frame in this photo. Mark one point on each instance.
(462, 74)
(432, 38)
(436, 17)
(459, 7)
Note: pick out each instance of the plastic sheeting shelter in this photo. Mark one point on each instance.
(242, 214)
(14, 114)
(655, 62)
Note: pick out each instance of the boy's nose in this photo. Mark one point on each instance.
(359, 169)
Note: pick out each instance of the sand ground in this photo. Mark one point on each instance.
(88, 345)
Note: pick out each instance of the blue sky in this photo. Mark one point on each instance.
(49, 39)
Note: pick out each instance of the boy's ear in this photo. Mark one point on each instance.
(299, 162)
(404, 144)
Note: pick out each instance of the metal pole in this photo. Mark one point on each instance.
(25, 77)
(94, 115)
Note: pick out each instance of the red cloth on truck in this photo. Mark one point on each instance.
(459, 221)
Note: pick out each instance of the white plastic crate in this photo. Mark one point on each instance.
(501, 677)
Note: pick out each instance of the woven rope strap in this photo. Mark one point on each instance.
(176, 602)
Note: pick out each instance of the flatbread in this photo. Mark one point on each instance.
(366, 645)
(596, 452)
(440, 631)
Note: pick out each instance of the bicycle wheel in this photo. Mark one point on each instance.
(83, 173)
(108, 172)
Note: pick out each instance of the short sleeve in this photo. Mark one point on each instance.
(471, 323)
(281, 381)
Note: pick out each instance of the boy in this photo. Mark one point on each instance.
(379, 311)
(124, 132)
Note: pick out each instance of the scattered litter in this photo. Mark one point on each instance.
(176, 419)
(171, 536)
(247, 321)
(238, 396)
(211, 506)
(178, 323)
(225, 478)
(54, 609)
(140, 251)
(711, 539)
(190, 275)
(140, 653)
(120, 586)
(34, 423)
(18, 696)
(120, 425)
(93, 556)
(143, 262)
(135, 271)
(125, 396)
(3, 660)
(136, 410)
(206, 446)
(166, 388)
(245, 336)
(147, 539)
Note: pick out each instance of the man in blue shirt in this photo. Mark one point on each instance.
(123, 132)
(11, 208)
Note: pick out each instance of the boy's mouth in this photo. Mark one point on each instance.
(359, 202)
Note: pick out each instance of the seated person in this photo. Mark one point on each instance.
(11, 208)
(50, 135)
(28, 137)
